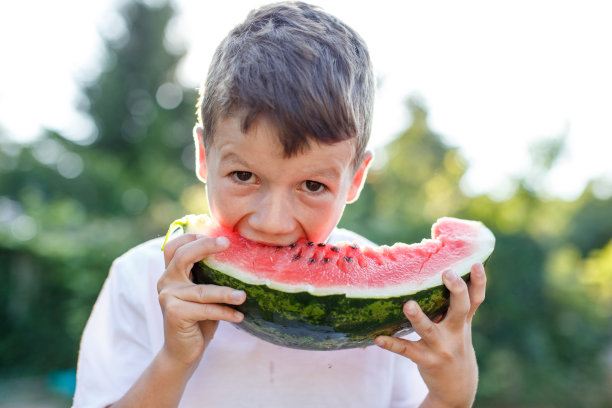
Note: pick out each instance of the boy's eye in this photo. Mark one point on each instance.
(243, 176)
(313, 186)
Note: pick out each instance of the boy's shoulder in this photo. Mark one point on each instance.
(147, 248)
(151, 249)
(144, 261)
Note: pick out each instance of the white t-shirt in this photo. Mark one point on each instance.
(125, 332)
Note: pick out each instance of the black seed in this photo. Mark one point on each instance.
(348, 258)
(296, 257)
(354, 246)
(279, 247)
(321, 244)
(310, 243)
(335, 249)
(325, 260)
(311, 260)
(293, 245)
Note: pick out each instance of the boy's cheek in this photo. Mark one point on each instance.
(315, 218)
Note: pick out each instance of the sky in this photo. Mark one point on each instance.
(495, 76)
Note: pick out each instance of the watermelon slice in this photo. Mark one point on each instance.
(319, 296)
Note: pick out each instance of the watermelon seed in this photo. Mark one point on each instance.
(293, 245)
(296, 257)
(335, 249)
(348, 258)
(321, 244)
(311, 260)
(310, 243)
(354, 246)
(325, 260)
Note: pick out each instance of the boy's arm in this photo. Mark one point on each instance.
(161, 385)
(191, 314)
(444, 354)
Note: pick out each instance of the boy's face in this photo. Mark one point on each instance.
(266, 197)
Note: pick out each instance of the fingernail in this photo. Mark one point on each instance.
(480, 270)
(379, 342)
(238, 315)
(411, 308)
(222, 241)
(238, 294)
(451, 276)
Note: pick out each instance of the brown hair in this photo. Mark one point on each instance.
(303, 69)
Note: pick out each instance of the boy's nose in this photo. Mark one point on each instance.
(273, 216)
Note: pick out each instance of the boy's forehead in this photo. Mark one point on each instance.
(230, 127)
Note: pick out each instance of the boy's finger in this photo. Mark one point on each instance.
(177, 311)
(459, 300)
(421, 324)
(205, 294)
(175, 243)
(477, 288)
(399, 346)
(191, 252)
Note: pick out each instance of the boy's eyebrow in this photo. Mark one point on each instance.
(231, 156)
(328, 172)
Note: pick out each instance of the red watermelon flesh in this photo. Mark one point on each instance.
(345, 268)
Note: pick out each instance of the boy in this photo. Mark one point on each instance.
(284, 119)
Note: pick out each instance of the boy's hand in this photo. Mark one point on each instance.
(444, 354)
(192, 312)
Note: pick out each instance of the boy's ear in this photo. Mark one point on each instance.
(359, 177)
(200, 154)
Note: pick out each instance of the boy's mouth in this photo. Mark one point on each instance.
(274, 243)
(281, 241)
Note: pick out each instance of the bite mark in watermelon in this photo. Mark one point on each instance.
(324, 297)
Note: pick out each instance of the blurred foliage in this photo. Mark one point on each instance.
(543, 336)
(427, 173)
(68, 209)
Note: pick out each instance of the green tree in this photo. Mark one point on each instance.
(541, 333)
(67, 209)
(417, 183)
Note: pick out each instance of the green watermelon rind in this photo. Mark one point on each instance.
(329, 322)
